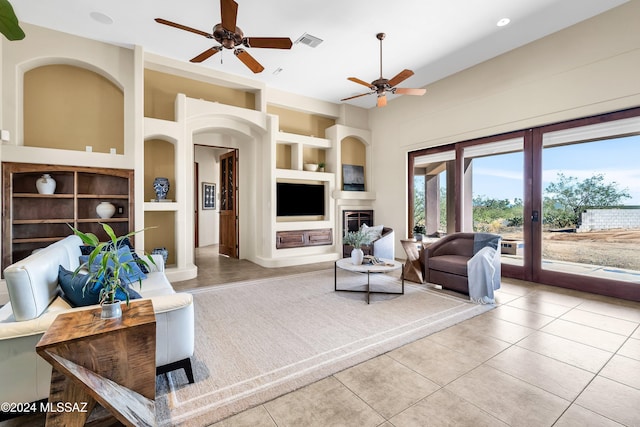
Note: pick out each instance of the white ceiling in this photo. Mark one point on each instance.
(434, 38)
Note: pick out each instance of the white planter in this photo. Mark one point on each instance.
(357, 256)
(45, 184)
(105, 210)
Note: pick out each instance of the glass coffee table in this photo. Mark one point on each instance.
(386, 267)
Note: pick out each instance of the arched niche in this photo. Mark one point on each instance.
(69, 106)
(159, 161)
(353, 151)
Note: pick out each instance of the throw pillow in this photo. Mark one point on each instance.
(124, 255)
(87, 249)
(72, 287)
(77, 297)
(374, 232)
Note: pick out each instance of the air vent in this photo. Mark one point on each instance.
(309, 40)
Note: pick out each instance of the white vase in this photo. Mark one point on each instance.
(105, 210)
(45, 184)
(357, 256)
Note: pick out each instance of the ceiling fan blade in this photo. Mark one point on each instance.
(357, 96)
(229, 13)
(382, 101)
(268, 42)
(402, 76)
(407, 91)
(362, 82)
(183, 27)
(206, 54)
(248, 60)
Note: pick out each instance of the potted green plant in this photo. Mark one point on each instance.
(357, 239)
(111, 266)
(418, 232)
(9, 25)
(321, 166)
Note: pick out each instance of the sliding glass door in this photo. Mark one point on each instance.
(591, 204)
(496, 183)
(564, 197)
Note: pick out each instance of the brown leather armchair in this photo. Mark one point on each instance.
(445, 261)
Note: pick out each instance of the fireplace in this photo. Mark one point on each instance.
(352, 220)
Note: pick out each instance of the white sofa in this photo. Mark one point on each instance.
(35, 301)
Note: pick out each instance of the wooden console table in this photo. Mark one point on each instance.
(107, 361)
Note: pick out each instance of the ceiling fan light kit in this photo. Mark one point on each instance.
(382, 86)
(231, 36)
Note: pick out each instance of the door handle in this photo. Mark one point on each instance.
(535, 216)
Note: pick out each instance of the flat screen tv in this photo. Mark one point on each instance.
(293, 199)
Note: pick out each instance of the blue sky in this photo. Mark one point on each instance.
(500, 177)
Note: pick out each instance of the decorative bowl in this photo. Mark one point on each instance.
(311, 167)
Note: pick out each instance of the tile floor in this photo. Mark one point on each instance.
(544, 356)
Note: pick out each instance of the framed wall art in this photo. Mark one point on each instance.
(353, 177)
(208, 195)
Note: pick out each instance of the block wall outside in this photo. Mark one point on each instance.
(607, 219)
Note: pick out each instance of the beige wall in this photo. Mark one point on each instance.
(160, 90)
(71, 107)
(301, 123)
(161, 233)
(283, 156)
(587, 69)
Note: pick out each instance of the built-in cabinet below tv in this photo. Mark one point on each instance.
(300, 231)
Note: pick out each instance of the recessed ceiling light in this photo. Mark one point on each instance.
(503, 22)
(101, 18)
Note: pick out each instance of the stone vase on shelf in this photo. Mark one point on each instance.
(161, 187)
(45, 184)
(105, 210)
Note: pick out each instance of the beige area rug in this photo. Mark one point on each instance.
(260, 339)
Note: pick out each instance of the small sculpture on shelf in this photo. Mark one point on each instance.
(161, 187)
(45, 184)
(105, 209)
(161, 251)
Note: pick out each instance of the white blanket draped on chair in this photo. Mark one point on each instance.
(483, 269)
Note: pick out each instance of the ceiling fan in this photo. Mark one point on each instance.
(230, 36)
(383, 86)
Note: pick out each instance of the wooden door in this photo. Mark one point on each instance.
(229, 204)
(196, 203)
